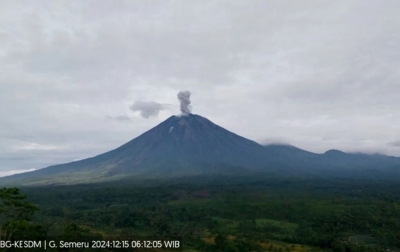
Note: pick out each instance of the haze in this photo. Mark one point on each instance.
(79, 78)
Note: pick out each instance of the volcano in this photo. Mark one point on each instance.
(190, 145)
(186, 143)
(181, 145)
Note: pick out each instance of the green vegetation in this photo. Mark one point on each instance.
(220, 213)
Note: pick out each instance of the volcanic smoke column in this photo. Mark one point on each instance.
(184, 99)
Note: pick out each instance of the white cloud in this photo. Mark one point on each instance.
(35, 146)
(11, 172)
(304, 72)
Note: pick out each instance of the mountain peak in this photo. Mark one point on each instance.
(189, 145)
(334, 152)
(186, 144)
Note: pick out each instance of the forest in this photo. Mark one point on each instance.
(212, 213)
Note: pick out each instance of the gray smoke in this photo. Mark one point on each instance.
(184, 99)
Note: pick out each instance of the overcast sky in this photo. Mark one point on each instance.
(79, 78)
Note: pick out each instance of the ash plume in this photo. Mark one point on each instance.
(184, 99)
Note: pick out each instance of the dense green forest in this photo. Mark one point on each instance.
(214, 213)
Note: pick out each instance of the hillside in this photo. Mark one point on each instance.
(191, 145)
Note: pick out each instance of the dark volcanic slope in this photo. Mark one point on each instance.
(187, 142)
(192, 144)
(180, 145)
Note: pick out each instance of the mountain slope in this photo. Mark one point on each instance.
(192, 145)
(335, 163)
(178, 146)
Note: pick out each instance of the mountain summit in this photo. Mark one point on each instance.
(191, 144)
(181, 145)
(184, 143)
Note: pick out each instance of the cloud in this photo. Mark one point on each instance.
(278, 141)
(147, 108)
(5, 173)
(31, 146)
(120, 118)
(395, 143)
(318, 74)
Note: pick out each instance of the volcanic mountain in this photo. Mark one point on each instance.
(192, 145)
(181, 145)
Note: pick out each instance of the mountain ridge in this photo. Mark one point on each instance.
(190, 145)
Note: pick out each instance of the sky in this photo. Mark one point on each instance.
(79, 77)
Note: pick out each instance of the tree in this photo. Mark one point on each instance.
(15, 216)
(74, 232)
